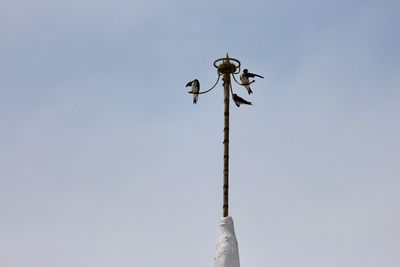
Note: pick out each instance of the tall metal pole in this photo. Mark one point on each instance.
(226, 68)
(226, 84)
(227, 254)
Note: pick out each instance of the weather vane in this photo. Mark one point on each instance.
(226, 67)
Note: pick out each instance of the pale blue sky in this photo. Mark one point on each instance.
(105, 161)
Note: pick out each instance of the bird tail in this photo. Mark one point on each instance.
(195, 98)
(247, 86)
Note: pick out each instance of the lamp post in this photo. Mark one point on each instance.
(227, 254)
(226, 68)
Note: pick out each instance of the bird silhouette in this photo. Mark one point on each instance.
(244, 78)
(195, 84)
(238, 100)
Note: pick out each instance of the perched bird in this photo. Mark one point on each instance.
(195, 84)
(244, 78)
(238, 100)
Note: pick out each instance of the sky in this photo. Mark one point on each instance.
(105, 161)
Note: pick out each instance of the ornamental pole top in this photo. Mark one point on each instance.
(227, 65)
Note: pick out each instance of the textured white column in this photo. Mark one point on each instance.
(227, 254)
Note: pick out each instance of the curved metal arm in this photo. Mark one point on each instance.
(230, 85)
(242, 83)
(219, 75)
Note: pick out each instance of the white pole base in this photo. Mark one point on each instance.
(227, 254)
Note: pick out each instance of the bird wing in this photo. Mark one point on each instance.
(237, 102)
(189, 83)
(246, 102)
(252, 75)
(237, 98)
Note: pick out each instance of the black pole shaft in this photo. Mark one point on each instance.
(226, 143)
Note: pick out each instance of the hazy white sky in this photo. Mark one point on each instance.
(105, 161)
